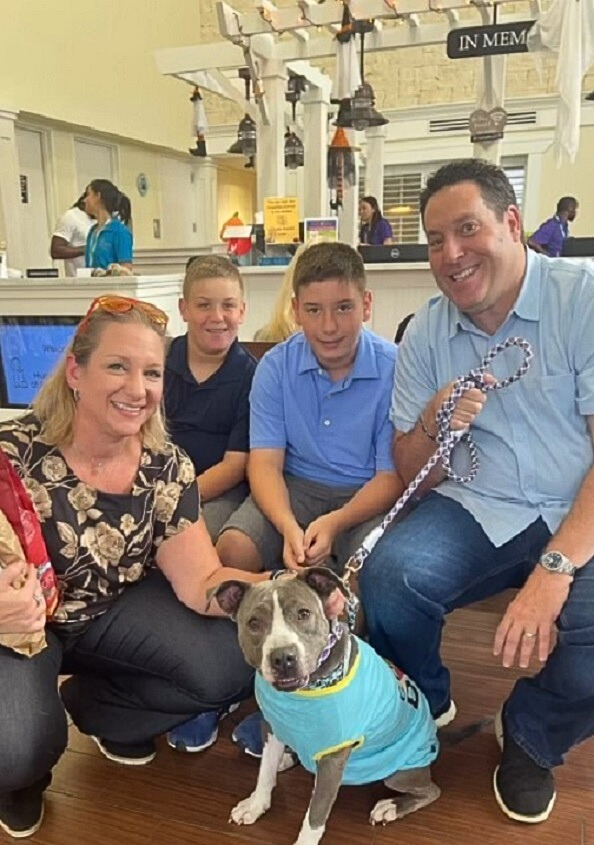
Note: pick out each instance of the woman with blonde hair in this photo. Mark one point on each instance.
(282, 323)
(118, 506)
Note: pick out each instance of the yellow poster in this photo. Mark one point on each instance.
(281, 220)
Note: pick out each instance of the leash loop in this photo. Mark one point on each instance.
(447, 440)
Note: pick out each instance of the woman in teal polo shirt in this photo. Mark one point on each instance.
(110, 240)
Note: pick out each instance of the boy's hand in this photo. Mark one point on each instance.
(318, 540)
(293, 549)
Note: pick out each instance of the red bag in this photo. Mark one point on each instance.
(19, 511)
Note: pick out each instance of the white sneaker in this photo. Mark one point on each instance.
(448, 716)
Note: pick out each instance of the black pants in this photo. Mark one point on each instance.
(142, 668)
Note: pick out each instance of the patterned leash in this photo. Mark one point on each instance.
(447, 440)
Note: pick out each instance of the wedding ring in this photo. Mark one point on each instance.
(529, 634)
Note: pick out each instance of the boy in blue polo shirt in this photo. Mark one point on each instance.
(321, 468)
(208, 376)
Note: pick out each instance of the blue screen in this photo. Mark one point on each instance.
(29, 350)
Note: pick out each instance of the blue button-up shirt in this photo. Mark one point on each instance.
(532, 438)
(333, 432)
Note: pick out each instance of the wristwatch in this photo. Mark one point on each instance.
(557, 562)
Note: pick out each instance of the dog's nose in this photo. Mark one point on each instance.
(283, 662)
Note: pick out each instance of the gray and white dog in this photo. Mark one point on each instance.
(349, 715)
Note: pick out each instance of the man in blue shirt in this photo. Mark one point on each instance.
(552, 234)
(527, 519)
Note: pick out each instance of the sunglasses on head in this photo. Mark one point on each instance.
(114, 304)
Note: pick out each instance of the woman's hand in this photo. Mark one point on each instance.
(22, 611)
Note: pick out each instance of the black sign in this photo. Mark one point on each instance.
(473, 41)
(24, 183)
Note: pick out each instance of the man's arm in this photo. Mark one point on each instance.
(218, 479)
(539, 241)
(60, 248)
(537, 606)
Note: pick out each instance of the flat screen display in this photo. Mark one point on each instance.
(30, 347)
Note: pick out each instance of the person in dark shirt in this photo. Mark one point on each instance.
(552, 234)
(208, 376)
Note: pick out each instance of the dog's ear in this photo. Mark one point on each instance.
(323, 581)
(229, 595)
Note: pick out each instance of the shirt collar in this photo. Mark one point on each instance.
(364, 365)
(177, 360)
(526, 306)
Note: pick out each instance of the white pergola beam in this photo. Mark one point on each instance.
(268, 18)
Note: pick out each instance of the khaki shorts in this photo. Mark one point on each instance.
(309, 500)
(216, 512)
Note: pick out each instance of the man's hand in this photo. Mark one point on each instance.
(529, 618)
(21, 611)
(294, 548)
(318, 539)
(467, 407)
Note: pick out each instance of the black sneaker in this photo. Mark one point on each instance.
(523, 789)
(127, 755)
(21, 811)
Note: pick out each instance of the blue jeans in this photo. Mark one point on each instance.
(439, 559)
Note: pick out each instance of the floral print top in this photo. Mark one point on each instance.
(99, 542)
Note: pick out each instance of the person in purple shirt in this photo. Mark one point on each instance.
(552, 234)
(375, 229)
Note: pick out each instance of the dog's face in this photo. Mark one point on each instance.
(282, 624)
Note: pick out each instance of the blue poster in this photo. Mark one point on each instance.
(29, 350)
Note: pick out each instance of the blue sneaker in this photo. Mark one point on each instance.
(200, 732)
(248, 735)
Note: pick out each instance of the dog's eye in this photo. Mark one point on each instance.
(303, 613)
(254, 625)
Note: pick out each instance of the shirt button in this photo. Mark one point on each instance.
(320, 372)
(326, 422)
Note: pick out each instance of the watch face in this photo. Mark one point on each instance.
(553, 560)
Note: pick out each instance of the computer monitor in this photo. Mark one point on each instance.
(30, 347)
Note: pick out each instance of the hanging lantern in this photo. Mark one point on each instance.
(341, 166)
(199, 124)
(294, 151)
(247, 134)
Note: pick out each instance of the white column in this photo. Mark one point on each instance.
(315, 141)
(490, 94)
(11, 225)
(348, 226)
(374, 163)
(205, 199)
(271, 138)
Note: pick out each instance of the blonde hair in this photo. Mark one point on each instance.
(210, 267)
(282, 323)
(55, 405)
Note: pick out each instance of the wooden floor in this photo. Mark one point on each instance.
(182, 798)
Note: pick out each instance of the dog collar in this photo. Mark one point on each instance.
(337, 630)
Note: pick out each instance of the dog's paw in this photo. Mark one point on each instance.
(385, 811)
(249, 810)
